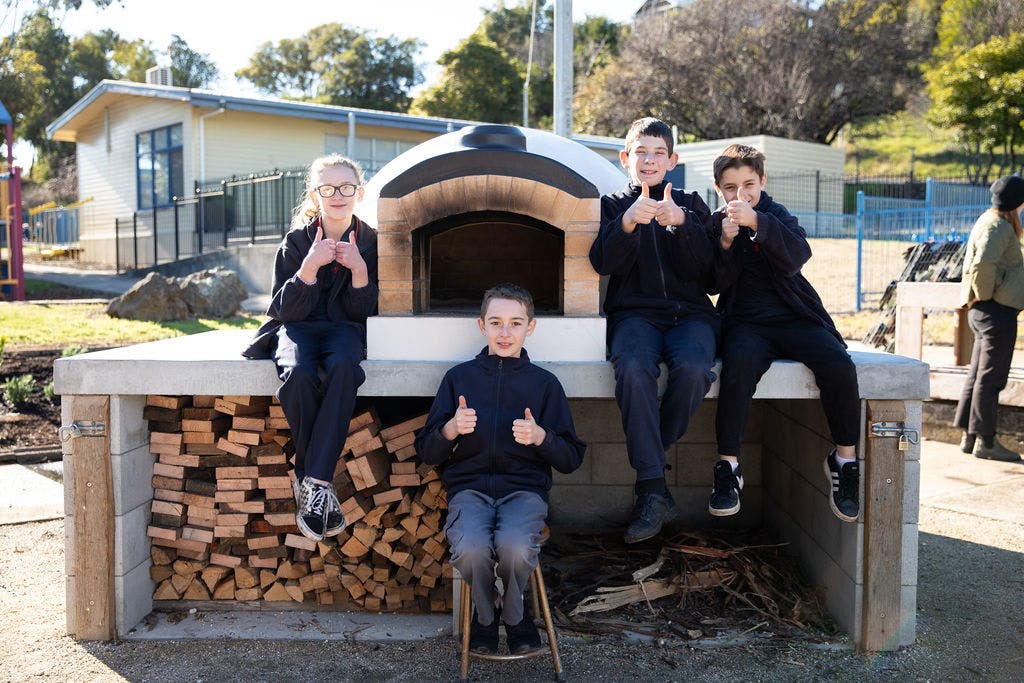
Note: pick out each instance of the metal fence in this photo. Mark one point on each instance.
(52, 231)
(860, 228)
(256, 208)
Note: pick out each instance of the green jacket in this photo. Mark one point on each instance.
(993, 264)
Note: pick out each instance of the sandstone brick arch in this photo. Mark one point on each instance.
(397, 219)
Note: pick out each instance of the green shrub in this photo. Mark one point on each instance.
(3, 343)
(72, 350)
(18, 389)
(49, 392)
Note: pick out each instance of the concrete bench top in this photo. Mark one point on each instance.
(210, 364)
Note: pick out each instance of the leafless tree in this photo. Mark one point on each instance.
(773, 67)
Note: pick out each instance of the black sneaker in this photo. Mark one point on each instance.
(994, 451)
(312, 500)
(844, 483)
(725, 496)
(524, 636)
(483, 639)
(967, 442)
(650, 512)
(335, 520)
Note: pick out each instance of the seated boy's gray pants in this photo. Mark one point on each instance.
(487, 534)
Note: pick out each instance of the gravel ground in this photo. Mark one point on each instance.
(970, 602)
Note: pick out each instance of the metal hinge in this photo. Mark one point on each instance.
(906, 435)
(81, 428)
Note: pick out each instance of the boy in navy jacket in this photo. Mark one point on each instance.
(771, 311)
(654, 246)
(497, 426)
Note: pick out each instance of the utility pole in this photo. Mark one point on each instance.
(563, 68)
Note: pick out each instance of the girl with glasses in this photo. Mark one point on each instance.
(324, 288)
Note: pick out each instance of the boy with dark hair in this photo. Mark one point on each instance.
(654, 246)
(497, 426)
(770, 312)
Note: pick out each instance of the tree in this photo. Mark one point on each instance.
(967, 23)
(336, 64)
(775, 67)
(189, 68)
(981, 95)
(479, 83)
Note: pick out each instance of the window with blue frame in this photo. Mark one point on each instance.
(158, 171)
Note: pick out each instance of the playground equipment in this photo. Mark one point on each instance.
(12, 274)
(53, 230)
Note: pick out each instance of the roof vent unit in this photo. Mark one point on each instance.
(158, 75)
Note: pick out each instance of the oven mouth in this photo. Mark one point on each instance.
(457, 258)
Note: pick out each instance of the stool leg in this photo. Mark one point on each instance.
(542, 595)
(464, 616)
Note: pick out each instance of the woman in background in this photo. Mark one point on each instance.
(993, 291)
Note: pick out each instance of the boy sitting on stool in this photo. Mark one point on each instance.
(497, 426)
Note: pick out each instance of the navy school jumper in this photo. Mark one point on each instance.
(658, 311)
(488, 459)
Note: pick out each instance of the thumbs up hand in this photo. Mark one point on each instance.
(740, 210)
(527, 431)
(321, 252)
(463, 422)
(729, 232)
(643, 210)
(347, 253)
(669, 213)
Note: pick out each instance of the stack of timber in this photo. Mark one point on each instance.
(223, 514)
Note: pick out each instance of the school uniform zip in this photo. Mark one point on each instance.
(497, 414)
(657, 257)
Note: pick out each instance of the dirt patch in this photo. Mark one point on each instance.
(34, 422)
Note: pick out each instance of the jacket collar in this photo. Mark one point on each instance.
(489, 362)
(356, 225)
(657, 191)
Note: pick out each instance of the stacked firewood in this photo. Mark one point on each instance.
(223, 512)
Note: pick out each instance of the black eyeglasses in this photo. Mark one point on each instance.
(345, 190)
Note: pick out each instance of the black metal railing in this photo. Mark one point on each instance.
(232, 211)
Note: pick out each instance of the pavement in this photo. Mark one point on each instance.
(976, 491)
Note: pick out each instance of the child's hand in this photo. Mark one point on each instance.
(527, 431)
(729, 231)
(740, 211)
(320, 253)
(668, 212)
(464, 421)
(643, 210)
(348, 254)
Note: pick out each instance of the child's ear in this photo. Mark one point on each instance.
(673, 159)
(480, 324)
(529, 326)
(623, 158)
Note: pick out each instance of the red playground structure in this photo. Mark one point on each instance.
(12, 272)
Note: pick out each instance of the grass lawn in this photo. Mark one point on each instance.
(61, 325)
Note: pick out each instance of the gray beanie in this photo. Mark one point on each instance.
(1008, 193)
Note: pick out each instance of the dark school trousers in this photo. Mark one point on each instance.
(638, 346)
(489, 536)
(748, 350)
(995, 333)
(318, 408)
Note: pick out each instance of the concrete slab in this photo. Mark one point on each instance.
(271, 624)
(28, 496)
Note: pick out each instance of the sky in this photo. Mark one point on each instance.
(230, 31)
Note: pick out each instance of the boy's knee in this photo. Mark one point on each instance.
(468, 555)
(690, 372)
(518, 553)
(628, 368)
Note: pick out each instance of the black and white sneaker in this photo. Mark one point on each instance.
(313, 501)
(335, 519)
(725, 496)
(844, 484)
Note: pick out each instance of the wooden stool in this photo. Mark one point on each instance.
(540, 607)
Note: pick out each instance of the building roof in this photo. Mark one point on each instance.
(65, 126)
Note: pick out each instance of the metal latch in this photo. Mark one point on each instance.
(81, 428)
(906, 435)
